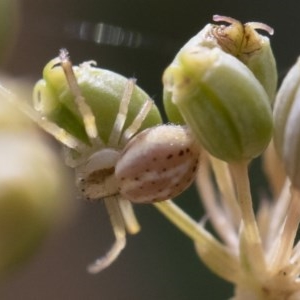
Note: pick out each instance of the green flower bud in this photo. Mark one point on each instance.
(11, 118)
(102, 90)
(222, 101)
(243, 42)
(30, 183)
(33, 187)
(287, 123)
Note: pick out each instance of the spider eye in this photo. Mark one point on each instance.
(157, 164)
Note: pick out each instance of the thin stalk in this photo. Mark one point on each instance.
(289, 231)
(252, 250)
(226, 187)
(220, 220)
(277, 218)
(217, 256)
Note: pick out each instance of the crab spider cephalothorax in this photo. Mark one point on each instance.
(97, 115)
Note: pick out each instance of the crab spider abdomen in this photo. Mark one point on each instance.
(157, 164)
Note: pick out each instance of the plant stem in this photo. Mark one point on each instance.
(226, 187)
(251, 251)
(289, 231)
(213, 253)
(184, 222)
(219, 214)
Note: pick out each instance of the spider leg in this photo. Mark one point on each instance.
(53, 129)
(131, 223)
(137, 122)
(120, 235)
(122, 113)
(60, 134)
(83, 107)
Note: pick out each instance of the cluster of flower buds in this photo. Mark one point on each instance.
(222, 84)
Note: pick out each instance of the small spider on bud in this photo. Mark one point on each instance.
(113, 138)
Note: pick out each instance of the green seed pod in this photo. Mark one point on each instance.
(286, 123)
(243, 42)
(222, 101)
(102, 90)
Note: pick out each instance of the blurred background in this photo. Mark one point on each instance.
(160, 262)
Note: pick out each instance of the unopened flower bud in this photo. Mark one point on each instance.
(102, 90)
(287, 123)
(33, 187)
(221, 100)
(31, 181)
(241, 41)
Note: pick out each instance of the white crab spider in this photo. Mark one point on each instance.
(154, 165)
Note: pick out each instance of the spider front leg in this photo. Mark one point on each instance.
(122, 113)
(133, 128)
(37, 117)
(84, 109)
(123, 220)
(118, 226)
(137, 122)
